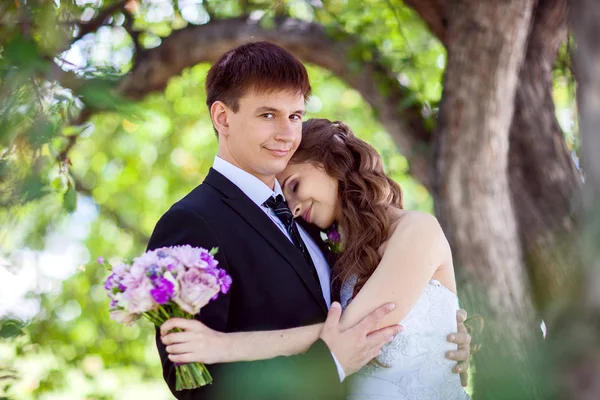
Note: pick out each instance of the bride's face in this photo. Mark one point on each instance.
(311, 194)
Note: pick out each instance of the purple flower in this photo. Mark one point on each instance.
(224, 281)
(163, 290)
(108, 285)
(334, 235)
(101, 260)
(208, 259)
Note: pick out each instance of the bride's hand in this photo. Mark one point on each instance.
(196, 342)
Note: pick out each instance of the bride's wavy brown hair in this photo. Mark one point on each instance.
(365, 193)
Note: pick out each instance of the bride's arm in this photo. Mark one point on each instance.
(416, 249)
(202, 344)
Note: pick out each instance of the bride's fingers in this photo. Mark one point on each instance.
(181, 323)
(181, 358)
(458, 355)
(180, 348)
(177, 337)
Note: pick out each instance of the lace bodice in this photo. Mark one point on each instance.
(418, 369)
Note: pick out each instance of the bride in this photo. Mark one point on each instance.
(389, 255)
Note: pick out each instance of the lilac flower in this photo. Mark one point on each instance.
(101, 260)
(190, 256)
(138, 298)
(334, 235)
(121, 270)
(135, 276)
(224, 281)
(196, 289)
(208, 259)
(108, 285)
(163, 290)
(146, 259)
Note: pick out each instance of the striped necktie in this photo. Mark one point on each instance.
(281, 209)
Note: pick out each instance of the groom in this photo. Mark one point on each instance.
(256, 95)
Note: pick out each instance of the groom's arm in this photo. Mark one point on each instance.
(301, 376)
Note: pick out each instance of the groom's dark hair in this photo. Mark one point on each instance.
(260, 66)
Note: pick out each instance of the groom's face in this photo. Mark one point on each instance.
(264, 133)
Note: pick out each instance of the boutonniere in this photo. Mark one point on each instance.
(333, 239)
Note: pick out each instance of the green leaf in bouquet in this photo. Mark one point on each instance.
(214, 251)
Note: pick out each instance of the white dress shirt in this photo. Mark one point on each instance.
(258, 192)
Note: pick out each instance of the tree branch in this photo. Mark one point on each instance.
(98, 21)
(309, 42)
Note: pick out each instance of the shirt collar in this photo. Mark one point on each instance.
(252, 187)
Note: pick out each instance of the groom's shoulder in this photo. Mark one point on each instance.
(202, 200)
(203, 206)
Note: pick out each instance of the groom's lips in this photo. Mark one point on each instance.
(306, 215)
(279, 153)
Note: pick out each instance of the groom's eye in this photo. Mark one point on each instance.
(268, 116)
(296, 117)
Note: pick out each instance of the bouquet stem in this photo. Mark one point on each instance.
(187, 376)
(191, 376)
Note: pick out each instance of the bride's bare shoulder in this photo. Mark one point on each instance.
(408, 220)
(415, 226)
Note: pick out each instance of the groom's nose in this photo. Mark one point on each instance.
(287, 131)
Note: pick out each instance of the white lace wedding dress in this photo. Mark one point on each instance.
(418, 369)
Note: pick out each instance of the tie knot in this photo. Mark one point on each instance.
(280, 208)
(275, 203)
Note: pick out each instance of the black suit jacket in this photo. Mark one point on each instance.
(273, 288)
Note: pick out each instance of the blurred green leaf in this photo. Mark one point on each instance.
(70, 200)
(11, 328)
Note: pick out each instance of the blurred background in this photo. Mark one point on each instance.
(474, 106)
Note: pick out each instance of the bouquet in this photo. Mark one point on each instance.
(164, 283)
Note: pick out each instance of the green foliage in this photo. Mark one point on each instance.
(109, 178)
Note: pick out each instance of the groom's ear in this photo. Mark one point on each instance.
(219, 113)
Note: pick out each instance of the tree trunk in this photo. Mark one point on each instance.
(543, 179)
(486, 45)
(581, 369)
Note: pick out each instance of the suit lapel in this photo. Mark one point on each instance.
(264, 226)
(331, 257)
